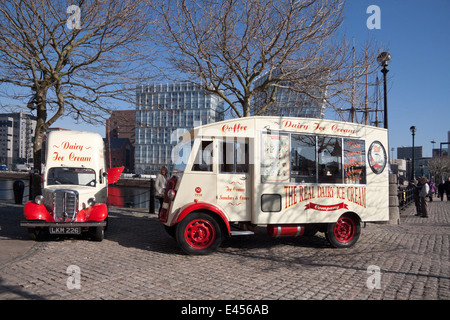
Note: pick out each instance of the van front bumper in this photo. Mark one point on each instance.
(37, 224)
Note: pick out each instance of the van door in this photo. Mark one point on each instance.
(233, 179)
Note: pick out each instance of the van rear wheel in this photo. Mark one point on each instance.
(199, 234)
(345, 232)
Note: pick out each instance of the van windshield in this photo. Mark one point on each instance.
(74, 176)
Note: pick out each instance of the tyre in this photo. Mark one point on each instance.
(33, 233)
(199, 234)
(345, 232)
(97, 233)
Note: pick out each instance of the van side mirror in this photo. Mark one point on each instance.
(103, 174)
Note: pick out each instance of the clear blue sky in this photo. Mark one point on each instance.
(417, 34)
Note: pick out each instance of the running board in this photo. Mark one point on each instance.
(242, 233)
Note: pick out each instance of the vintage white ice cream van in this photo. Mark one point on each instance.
(75, 182)
(293, 175)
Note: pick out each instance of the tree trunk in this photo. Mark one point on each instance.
(246, 107)
(41, 128)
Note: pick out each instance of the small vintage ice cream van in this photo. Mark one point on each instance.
(292, 175)
(75, 182)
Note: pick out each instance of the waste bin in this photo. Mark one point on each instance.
(18, 188)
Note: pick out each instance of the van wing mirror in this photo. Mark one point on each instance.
(114, 174)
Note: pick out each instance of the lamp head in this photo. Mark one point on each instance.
(383, 58)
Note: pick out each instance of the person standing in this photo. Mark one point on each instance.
(432, 190)
(417, 186)
(441, 190)
(447, 188)
(423, 196)
(160, 186)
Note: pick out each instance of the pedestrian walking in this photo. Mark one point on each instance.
(432, 190)
(160, 186)
(423, 195)
(447, 188)
(441, 190)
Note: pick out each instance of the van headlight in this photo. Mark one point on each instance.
(91, 201)
(39, 199)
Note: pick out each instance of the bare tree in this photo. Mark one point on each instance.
(247, 49)
(440, 166)
(71, 57)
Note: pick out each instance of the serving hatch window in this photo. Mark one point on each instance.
(354, 161)
(275, 165)
(329, 159)
(303, 158)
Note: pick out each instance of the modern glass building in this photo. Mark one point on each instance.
(288, 103)
(16, 138)
(163, 112)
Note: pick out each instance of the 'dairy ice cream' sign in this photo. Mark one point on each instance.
(67, 151)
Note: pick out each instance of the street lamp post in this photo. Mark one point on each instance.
(413, 132)
(432, 150)
(383, 59)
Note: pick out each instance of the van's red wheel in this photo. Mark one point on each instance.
(344, 229)
(345, 232)
(199, 233)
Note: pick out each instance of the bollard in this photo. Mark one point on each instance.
(18, 188)
(151, 207)
(30, 186)
(394, 211)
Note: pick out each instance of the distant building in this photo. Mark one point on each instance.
(16, 138)
(446, 151)
(119, 153)
(120, 135)
(406, 152)
(122, 124)
(163, 111)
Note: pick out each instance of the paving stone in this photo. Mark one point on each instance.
(139, 260)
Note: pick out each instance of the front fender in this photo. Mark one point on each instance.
(98, 212)
(195, 206)
(34, 211)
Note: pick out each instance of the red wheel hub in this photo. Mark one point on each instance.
(199, 233)
(344, 229)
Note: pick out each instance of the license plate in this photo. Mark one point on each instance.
(65, 230)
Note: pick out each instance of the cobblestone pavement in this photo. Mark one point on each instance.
(139, 260)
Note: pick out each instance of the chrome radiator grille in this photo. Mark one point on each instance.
(65, 205)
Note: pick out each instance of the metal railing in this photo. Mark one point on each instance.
(405, 196)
